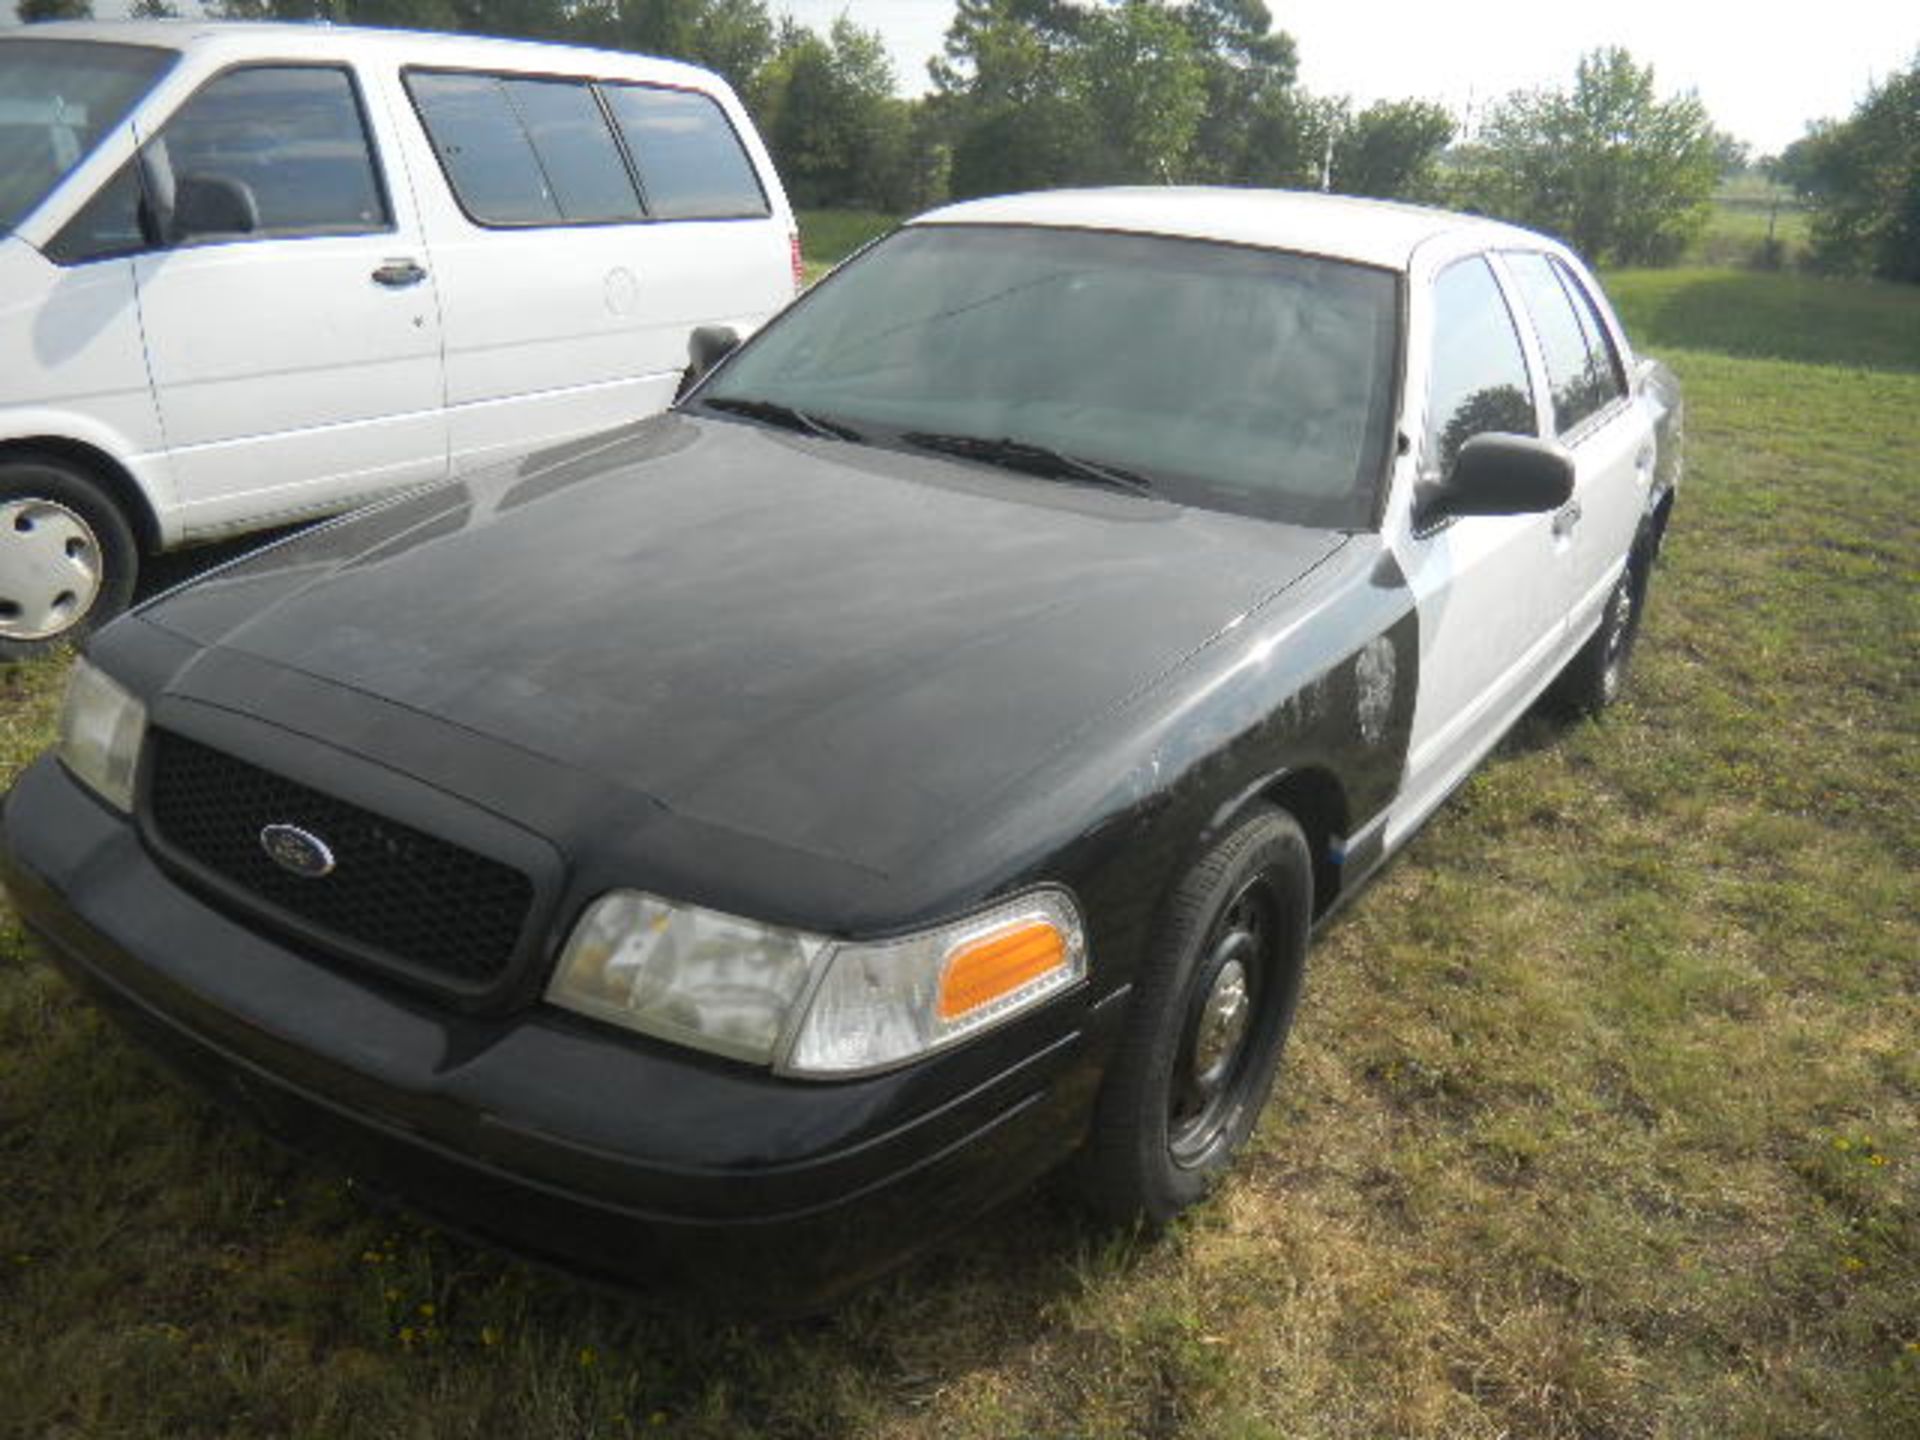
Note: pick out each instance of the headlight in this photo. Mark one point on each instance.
(805, 1004)
(101, 727)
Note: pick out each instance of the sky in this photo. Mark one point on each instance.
(1763, 70)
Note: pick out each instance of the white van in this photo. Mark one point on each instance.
(253, 273)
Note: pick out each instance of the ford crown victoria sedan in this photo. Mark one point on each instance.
(734, 851)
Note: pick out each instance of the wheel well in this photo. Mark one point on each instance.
(1315, 799)
(124, 490)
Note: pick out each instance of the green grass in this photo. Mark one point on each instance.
(828, 236)
(1737, 229)
(1602, 1117)
(1854, 323)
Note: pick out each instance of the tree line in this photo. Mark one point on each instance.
(1029, 94)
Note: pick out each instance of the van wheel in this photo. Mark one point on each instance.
(1209, 1018)
(67, 556)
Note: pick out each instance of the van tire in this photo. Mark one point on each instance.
(68, 558)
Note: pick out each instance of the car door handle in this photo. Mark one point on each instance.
(398, 274)
(1565, 518)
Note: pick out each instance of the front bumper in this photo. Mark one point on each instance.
(567, 1141)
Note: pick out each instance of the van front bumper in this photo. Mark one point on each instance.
(570, 1142)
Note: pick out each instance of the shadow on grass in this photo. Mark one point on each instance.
(1856, 323)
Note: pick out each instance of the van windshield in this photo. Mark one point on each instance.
(57, 98)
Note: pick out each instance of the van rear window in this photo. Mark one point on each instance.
(531, 150)
(691, 162)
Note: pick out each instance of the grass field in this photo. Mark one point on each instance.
(828, 236)
(1602, 1117)
(1743, 216)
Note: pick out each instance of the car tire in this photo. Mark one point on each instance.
(1191, 1074)
(1595, 676)
(68, 559)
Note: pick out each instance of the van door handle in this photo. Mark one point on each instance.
(398, 274)
(1567, 517)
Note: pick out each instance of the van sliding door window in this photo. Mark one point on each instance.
(522, 151)
(691, 162)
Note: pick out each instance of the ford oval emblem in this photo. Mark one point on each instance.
(300, 851)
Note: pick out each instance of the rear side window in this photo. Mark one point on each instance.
(275, 151)
(578, 156)
(1479, 376)
(484, 149)
(525, 151)
(1582, 382)
(1607, 374)
(691, 161)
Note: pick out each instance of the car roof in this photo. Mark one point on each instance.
(251, 39)
(1370, 232)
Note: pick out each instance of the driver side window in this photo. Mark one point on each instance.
(1478, 380)
(264, 152)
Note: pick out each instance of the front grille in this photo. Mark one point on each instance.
(394, 893)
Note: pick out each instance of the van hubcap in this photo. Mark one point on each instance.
(49, 569)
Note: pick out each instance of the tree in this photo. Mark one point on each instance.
(1034, 93)
(829, 115)
(1391, 150)
(1005, 97)
(31, 12)
(1144, 92)
(1623, 175)
(1248, 69)
(1861, 178)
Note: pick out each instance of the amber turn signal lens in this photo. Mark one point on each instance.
(998, 964)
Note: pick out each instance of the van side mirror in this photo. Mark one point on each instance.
(1498, 474)
(707, 346)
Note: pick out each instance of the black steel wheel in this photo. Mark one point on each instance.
(1209, 1018)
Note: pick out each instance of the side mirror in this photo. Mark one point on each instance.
(213, 205)
(707, 346)
(1502, 475)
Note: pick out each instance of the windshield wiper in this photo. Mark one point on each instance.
(1031, 459)
(787, 416)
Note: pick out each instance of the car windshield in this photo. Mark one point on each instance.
(57, 98)
(1241, 379)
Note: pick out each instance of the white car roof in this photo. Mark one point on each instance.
(249, 40)
(1370, 232)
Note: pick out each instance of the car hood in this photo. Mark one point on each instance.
(828, 645)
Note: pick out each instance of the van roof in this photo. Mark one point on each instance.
(254, 39)
(1372, 232)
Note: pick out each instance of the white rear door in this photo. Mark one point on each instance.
(293, 334)
(1611, 437)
